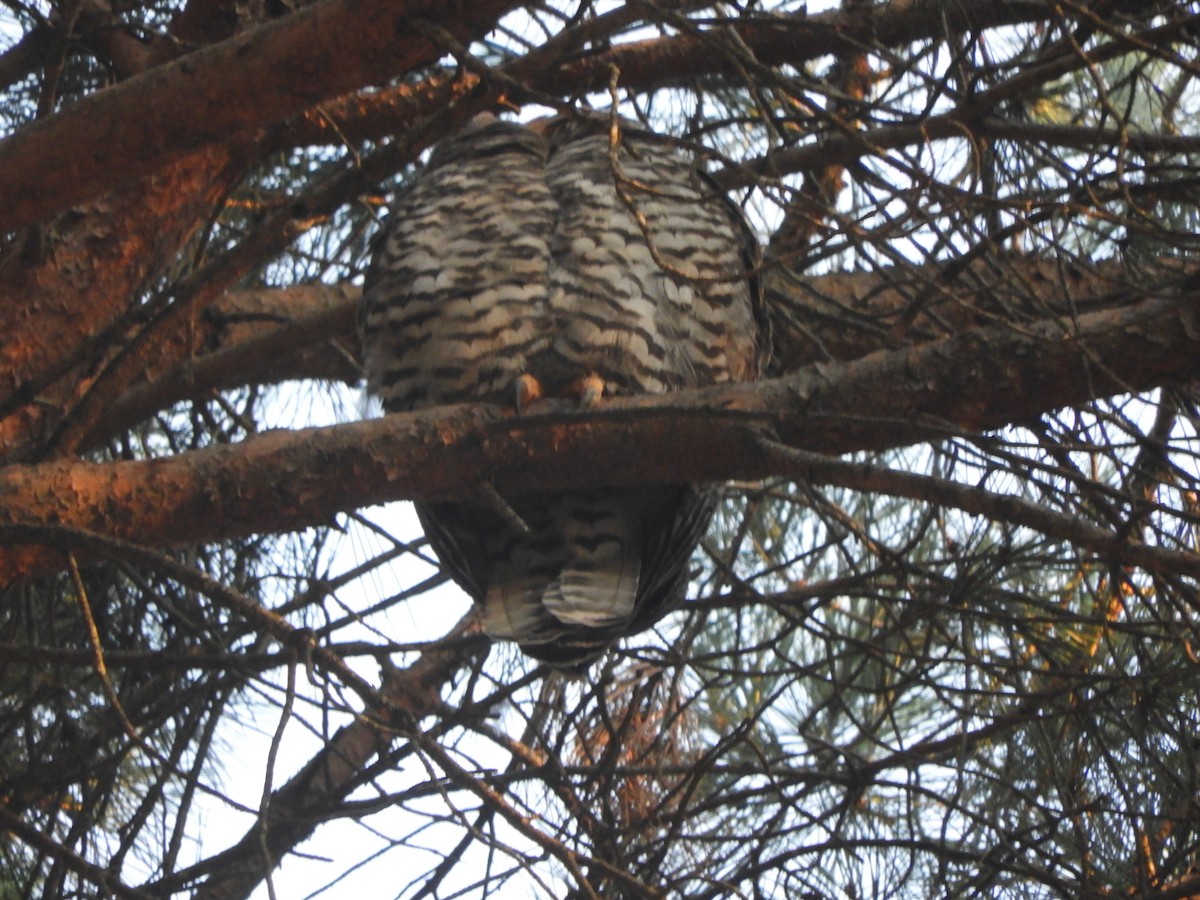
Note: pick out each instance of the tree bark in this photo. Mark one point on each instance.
(281, 481)
(250, 81)
(67, 285)
(308, 331)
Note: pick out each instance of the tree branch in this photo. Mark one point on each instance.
(246, 82)
(27, 54)
(653, 63)
(331, 49)
(816, 468)
(269, 336)
(17, 826)
(247, 344)
(979, 114)
(774, 40)
(281, 481)
(312, 794)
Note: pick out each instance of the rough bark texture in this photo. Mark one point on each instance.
(66, 286)
(305, 332)
(68, 305)
(279, 481)
(248, 82)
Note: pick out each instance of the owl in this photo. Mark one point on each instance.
(578, 259)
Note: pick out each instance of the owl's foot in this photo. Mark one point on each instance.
(528, 389)
(590, 389)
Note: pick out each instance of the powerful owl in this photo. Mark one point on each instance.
(576, 259)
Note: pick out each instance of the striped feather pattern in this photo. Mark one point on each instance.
(520, 252)
(455, 299)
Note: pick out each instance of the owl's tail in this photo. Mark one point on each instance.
(573, 576)
(589, 567)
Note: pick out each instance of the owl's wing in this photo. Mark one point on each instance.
(654, 280)
(454, 301)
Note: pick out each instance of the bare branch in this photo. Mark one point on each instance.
(982, 379)
(307, 331)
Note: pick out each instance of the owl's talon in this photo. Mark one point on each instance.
(590, 389)
(528, 389)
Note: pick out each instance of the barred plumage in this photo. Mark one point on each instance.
(530, 261)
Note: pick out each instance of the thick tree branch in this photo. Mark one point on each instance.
(307, 331)
(67, 295)
(333, 48)
(26, 55)
(247, 344)
(844, 316)
(247, 82)
(281, 481)
(103, 33)
(198, 23)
